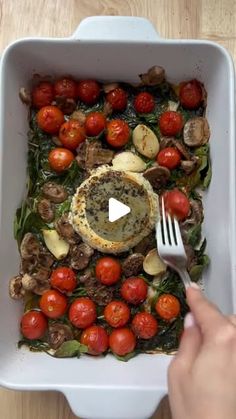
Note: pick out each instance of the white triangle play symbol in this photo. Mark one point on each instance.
(117, 210)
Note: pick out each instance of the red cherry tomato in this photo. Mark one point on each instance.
(64, 279)
(118, 133)
(117, 314)
(169, 157)
(53, 304)
(144, 102)
(96, 338)
(171, 123)
(71, 134)
(108, 270)
(42, 94)
(167, 306)
(144, 325)
(49, 119)
(190, 94)
(95, 123)
(33, 325)
(134, 290)
(60, 159)
(66, 87)
(122, 341)
(88, 91)
(117, 99)
(82, 313)
(176, 204)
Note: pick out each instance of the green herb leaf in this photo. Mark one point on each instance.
(194, 235)
(127, 357)
(70, 349)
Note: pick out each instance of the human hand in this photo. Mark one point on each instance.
(202, 376)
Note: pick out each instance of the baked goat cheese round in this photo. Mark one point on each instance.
(89, 214)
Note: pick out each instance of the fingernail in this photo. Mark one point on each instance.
(195, 286)
(189, 321)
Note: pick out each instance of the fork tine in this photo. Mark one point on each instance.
(164, 224)
(171, 232)
(177, 232)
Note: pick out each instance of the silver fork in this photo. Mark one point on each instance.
(170, 245)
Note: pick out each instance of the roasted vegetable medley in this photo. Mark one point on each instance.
(78, 299)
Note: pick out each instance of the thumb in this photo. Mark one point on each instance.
(207, 316)
(190, 342)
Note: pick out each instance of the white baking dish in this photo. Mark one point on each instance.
(112, 48)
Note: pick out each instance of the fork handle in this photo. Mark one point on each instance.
(185, 277)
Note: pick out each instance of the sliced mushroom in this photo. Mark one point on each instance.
(81, 156)
(107, 108)
(108, 87)
(41, 274)
(172, 106)
(30, 246)
(128, 161)
(45, 258)
(25, 96)
(145, 244)
(95, 155)
(67, 105)
(55, 244)
(58, 333)
(154, 76)
(158, 176)
(196, 215)
(153, 264)
(188, 166)
(66, 231)
(145, 141)
(56, 141)
(166, 142)
(28, 265)
(80, 256)
(182, 149)
(54, 192)
(46, 210)
(79, 116)
(28, 282)
(100, 294)
(191, 258)
(133, 264)
(41, 287)
(16, 291)
(196, 131)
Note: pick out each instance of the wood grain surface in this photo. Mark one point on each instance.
(211, 19)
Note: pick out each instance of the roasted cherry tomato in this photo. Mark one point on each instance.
(118, 133)
(117, 313)
(60, 159)
(66, 87)
(167, 306)
(82, 313)
(176, 204)
(64, 279)
(88, 91)
(108, 270)
(53, 304)
(95, 123)
(42, 94)
(144, 102)
(134, 290)
(122, 341)
(49, 119)
(171, 123)
(169, 157)
(71, 134)
(144, 325)
(33, 325)
(190, 94)
(96, 338)
(117, 99)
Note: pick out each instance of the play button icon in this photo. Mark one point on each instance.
(116, 210)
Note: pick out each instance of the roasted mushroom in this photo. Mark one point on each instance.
(79, 116)
(154, 76)
(145, 244)
(100, 294)
(67, 105)
(28, 282)
(54, 192)
(188, 166)
(80, 256)
(158, 176)
(41, 287)
(133, 264)
(46, 210)
(182, 149)
(16, 291)
(58, 333)
(66, 231)
(28, 265)
(45, 258)
(108, 87)
(166, 142)
(30, 246)
(25, 96)
(95, 155)
(196, 131)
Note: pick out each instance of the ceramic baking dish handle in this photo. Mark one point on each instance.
(116, 28)
(105, 403)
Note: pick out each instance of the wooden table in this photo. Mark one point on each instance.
(211, 19)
